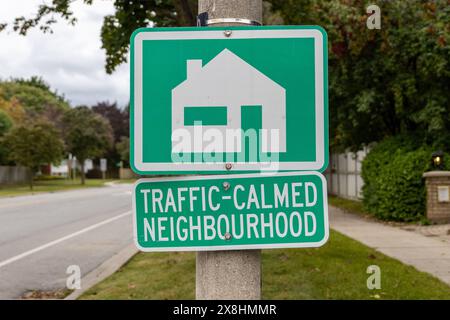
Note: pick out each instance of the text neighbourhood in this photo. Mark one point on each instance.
(231, 211)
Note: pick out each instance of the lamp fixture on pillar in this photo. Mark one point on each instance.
(438, 160)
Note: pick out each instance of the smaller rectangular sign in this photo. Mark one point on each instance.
(231, 212)
(443, 194)
(103, 163)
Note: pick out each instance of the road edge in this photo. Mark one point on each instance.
(104, 270)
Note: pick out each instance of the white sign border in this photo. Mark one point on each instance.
(147, 167)
(234, 247)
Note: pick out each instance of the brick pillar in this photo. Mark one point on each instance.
(438, 196)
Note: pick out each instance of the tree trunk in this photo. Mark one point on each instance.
(82, 172)
(31, 178)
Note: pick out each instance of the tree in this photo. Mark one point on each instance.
(119, 120)
(5, 124)
(33, 144)
(13, 109)
(123, 147)
(34, 81)
(383, 82)
(118, 27)
(87, 135)
(34, 96)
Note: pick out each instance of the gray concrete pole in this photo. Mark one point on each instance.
(232, 274)
(242, 9)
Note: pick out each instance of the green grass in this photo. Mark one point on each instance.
(357, 207)
(335, 271)
(53, 185)
(347, 205)
(150, 276)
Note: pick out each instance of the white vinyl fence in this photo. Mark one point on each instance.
(13, 174)
(344, 174)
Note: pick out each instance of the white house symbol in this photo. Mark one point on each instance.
(227, 80)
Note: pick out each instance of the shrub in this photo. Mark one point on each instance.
(393, 185)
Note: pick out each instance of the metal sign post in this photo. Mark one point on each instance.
(103, 167)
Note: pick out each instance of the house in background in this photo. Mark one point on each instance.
(215, 94)
(64, 168)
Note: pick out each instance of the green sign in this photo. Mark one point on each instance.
(239, 99)
(244, 211)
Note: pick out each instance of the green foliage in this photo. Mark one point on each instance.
(393, 185)
(87, 134)
(34, 81)
(381, 82)
(35, 97)
(33, 144)
(5, 122)
(119, 120)
(25, 101)
(123, 147)
(131, 15)
(384, 82)
(117, 117)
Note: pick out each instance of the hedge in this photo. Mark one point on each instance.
(393, 185)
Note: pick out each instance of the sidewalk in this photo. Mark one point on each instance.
(431, 255)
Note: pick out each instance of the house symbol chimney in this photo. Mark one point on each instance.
(193, 67)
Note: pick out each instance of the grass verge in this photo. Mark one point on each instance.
(357, 207)
(125, 181)
(335, 271)
(41, 186)
(348, 205)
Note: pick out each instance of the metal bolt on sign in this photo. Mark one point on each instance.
(226, 185)
(227, 33)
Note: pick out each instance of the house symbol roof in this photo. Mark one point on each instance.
(235, 67)
(229, 81)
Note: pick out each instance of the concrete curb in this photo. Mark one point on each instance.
(103, 271)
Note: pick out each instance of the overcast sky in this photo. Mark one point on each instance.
(70, 60)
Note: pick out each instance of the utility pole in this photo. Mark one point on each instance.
(234, 274)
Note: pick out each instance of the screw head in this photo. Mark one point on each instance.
(226, 185)
(228, 166)
(227, 236)
(227, 33)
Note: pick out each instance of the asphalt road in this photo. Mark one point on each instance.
(42, 235)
